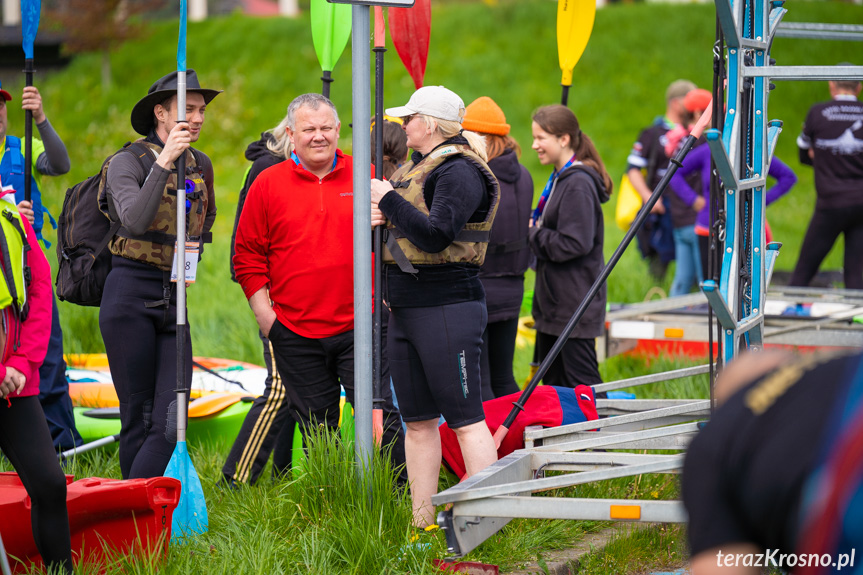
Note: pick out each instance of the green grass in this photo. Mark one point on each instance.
(326, 521)
(639, 549)
(507, 51)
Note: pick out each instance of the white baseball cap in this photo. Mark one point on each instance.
(435, 101)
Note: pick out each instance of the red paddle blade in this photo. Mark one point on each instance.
(499, 435)
(378, 426)
(410, 29)
(380, 28)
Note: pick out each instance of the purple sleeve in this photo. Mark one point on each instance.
(694, 162)
(785, 180)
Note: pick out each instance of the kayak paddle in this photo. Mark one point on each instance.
(574, 25)
(675, 162)
(190, 517)
(410, 29)
(331, 28)
(378, 131)
(30, 10)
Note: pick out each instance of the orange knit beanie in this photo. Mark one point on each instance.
(483, 115)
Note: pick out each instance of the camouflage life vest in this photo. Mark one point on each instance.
(156, 246)
(469, 245)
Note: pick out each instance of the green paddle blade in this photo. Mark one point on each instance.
(331, 28)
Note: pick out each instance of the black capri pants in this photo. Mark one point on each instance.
(435, 361)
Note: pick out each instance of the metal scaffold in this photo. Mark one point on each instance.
(742, 151)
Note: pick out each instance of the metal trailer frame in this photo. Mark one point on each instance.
(487, 501)
(673, 320)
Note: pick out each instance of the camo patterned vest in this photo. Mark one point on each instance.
(156, 246)
(470, 243)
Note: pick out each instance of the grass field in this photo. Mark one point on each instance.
(507, 51)
(320, 523)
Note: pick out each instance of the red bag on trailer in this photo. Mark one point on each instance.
(548, 406)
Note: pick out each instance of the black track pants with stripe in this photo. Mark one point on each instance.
(269, 425)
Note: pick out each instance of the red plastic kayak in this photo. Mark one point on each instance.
(106, 517)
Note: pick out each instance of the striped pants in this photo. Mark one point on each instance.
(269, 425)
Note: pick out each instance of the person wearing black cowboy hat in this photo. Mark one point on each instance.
(137, 316)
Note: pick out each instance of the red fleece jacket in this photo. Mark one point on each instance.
(36, 330)
(296, 235)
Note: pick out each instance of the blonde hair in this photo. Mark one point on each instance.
(449, 129)
(280, 144)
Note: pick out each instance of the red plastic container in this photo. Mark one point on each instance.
(106, 516)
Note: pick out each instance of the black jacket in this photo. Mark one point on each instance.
(568, 249)
(455, 194)
(261, 158)
(508, 255)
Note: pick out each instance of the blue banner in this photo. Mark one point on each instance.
(30, 10)
(181, 42)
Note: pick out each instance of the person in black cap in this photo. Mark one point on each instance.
(137, 316)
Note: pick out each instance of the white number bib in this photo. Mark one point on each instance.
(192, 250)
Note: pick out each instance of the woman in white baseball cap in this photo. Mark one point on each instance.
(438, 209)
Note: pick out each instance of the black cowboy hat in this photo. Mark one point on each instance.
(161, 90)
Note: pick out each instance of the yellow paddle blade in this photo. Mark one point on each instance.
(574, 25)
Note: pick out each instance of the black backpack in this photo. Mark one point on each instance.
(83, 233)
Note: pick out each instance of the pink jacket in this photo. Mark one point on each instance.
(36, 329)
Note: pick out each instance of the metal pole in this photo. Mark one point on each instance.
(361, 100)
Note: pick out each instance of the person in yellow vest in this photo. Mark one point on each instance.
(49, 158)
(438, 209)
(25, 440)
(137, 316)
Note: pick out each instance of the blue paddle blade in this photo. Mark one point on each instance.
(181, 42)
(30, 10)
(190, 516)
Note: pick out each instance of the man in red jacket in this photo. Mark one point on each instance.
(294, 261)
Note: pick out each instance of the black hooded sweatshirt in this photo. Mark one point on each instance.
(261, 158)
(568, 248)
(508, 255)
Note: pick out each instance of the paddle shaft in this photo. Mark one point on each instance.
(4, 561)
(377, 391)
(564, 97)
(327, 79)
(180, 256)
(598, 283)
(28, 135)
(89, 446)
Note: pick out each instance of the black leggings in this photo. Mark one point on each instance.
(26, 442)
(498, 349)
(824, 229)
(139, 327)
